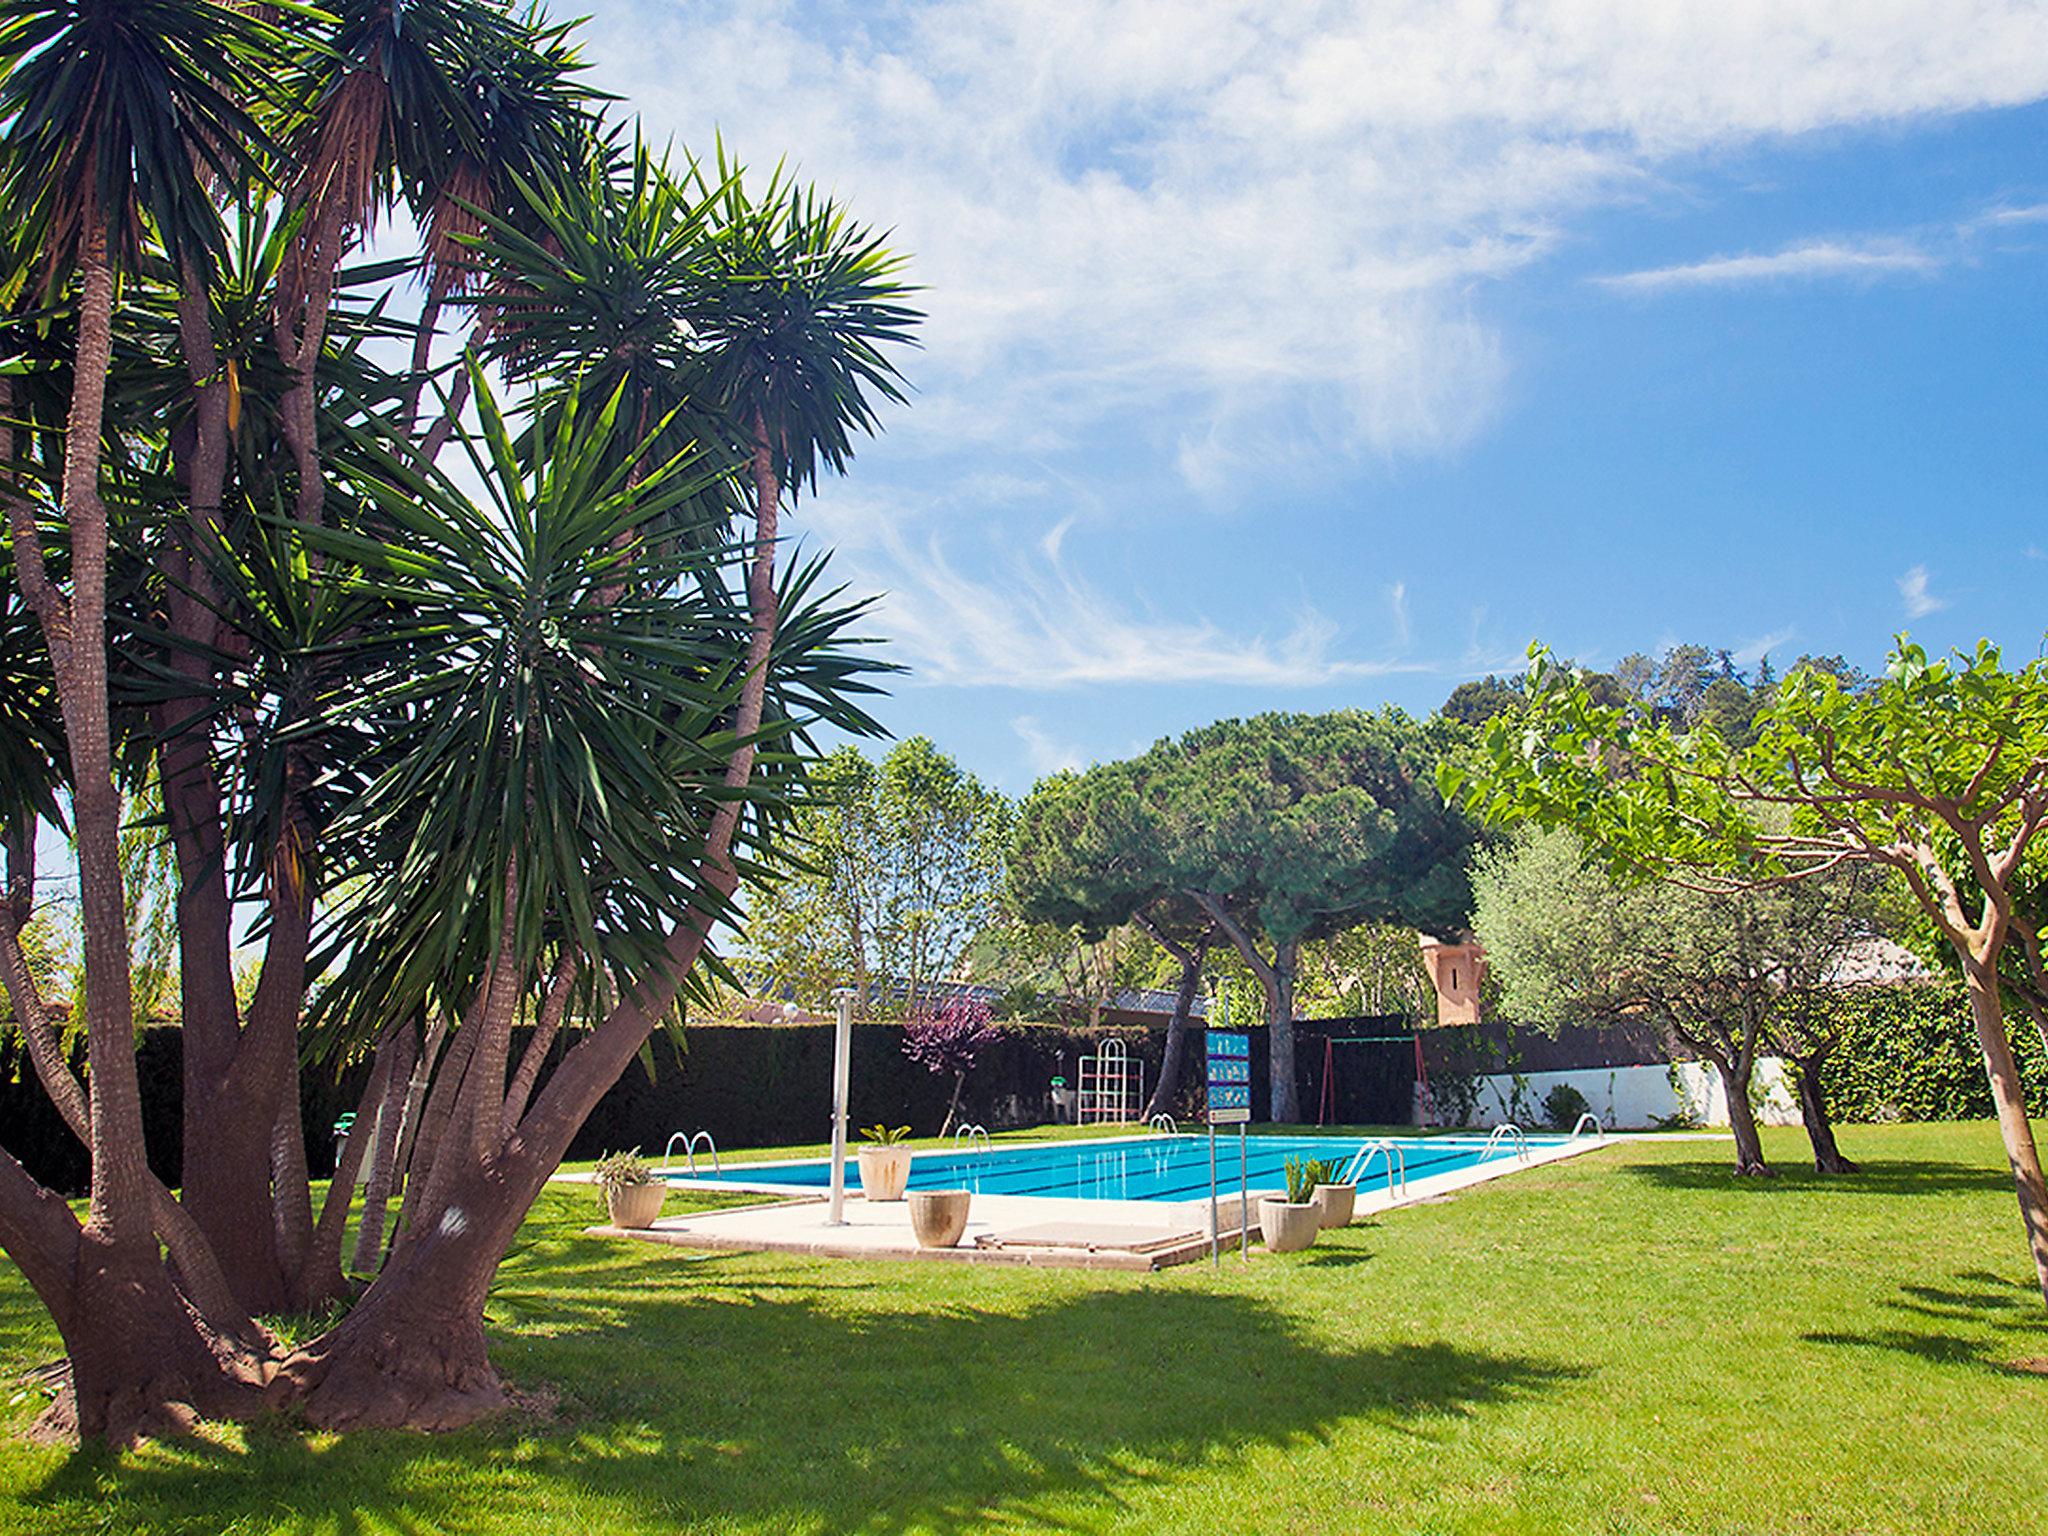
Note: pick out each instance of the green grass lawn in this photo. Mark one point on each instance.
(1630, 1341)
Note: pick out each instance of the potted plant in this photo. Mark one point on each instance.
(1289, 1223)
(632, 1194)
(885, 1162)
(938, 1216)
(1335, 1201)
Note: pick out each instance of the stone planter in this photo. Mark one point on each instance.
(1288, 1228)
(884, 1171)
(634, 1205)
(1336, 1202)
(938, 1216)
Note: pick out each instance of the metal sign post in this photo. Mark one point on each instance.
(1215, 1240)
(1244, 1215)
(842, 1071)
(1230, 1103)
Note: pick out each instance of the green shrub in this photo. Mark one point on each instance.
(1562, 1107)
(1910, 1053)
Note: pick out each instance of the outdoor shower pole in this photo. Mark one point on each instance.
(842, 1070)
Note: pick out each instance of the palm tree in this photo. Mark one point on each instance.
(764, 326)
(526, 117)
(117, 111)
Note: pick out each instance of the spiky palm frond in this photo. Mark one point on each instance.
(795, 309)
(120, 112)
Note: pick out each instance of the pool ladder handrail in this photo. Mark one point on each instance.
(1509, 1132)
(690, 1140)
(1361, 1164)
(1599, 1130)
(976, 1137)
(1164, 1124)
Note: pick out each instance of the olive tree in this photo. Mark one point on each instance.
(1721, 973)
(1936, 774)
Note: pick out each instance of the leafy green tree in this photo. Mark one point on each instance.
(1569, 942)
(1478, 700)
(901, 872)
(1372, 969)
(1277, 831)
(1937, 775)
(1085, 861)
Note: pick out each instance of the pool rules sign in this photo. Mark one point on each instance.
(1230, 1078)
(1230, 1103)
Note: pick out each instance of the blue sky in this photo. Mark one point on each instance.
(1308, 356)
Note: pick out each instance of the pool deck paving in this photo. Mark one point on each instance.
(1038, 1230)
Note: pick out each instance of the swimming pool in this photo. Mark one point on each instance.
(1167, 1168)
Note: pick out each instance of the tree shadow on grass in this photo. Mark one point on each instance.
(1979, 1319)
(760, 1407)
(1885, 1178)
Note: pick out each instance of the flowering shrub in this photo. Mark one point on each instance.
(948, 1038)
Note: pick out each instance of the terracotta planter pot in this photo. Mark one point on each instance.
(1288, 1228)
(634, 1205)
(1336, 1202)
(884, 1171)
(938, 1216)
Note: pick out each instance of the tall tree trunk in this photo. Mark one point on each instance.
(1174, 1052)
(1286, 1092)
(953, 1104)
(412, 1352)
(1813, 1110)
(226, 1173)
(1276, 980)
(369, 1249)
(1736, 1072)
(141, 1359)
(2008, 1095)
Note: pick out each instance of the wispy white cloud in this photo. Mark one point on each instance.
(1918, 599)
(1245, 217)
(1397, 605)
(1810, 259)
(1040, 624)
(2005, 217)
(1043, 752)
(1750, 652)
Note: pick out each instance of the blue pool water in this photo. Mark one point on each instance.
(1138, 1168)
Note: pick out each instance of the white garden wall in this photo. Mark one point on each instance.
(1636, 1098)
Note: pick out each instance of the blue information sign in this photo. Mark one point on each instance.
(1230, 1077)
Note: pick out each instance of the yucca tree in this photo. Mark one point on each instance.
(756, 325)
(798, 303)
(221, 650)
(527, 117)
(620, 675)
(551, 767)
(384, 111)
(118, 112)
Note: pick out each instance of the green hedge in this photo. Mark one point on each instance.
(1910, 1053)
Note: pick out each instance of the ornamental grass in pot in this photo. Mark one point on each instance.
(1290, 1223)
(885, 1162)
(632, 1194)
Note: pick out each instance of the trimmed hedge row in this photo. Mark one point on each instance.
(749, 1086)
(755, 1086)
(1910, 1053)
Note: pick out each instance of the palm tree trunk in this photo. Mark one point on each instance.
(390, 1119)
(412, 1353)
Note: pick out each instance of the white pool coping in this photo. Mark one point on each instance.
(798, 1223)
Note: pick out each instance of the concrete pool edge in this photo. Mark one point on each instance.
(794, 1222)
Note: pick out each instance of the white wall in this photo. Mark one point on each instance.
(1636, 1098)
